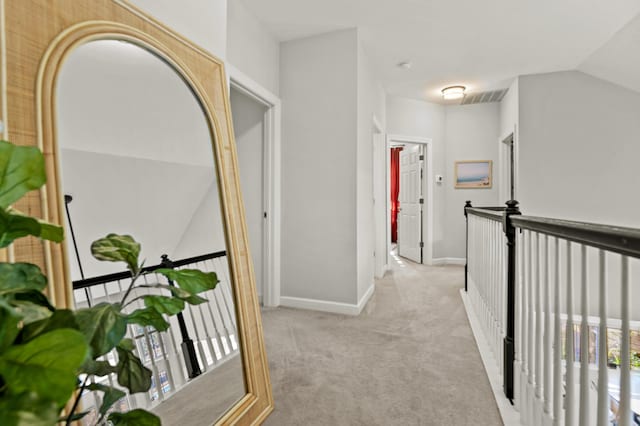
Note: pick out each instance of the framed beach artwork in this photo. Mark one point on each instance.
(474, 174)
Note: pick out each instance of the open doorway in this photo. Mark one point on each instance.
(508, 169)
(256, 121)
(409, 201)
(248, 127)
(380, 173)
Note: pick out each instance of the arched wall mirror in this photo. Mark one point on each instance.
(134, 122)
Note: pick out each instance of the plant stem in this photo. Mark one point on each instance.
(132, 300)
(133, 281)
(77, 401)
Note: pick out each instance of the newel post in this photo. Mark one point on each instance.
(466, 260)
(509, 340)
(188, 348)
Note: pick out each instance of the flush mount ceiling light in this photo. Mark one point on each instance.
(404, 65)
(453, 92)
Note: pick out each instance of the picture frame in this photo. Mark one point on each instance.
(474, 174)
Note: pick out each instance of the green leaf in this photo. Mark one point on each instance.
(192, 280)
(136, 417)
(164, 304)
(181, 294)
(14, 225)
(74, 417)
(97, 368)
(148, 317)
(32, 305)
(30, 296)
(21, 276)
(27, 409)
(103, 325)
(127, 344)
(51, 232)
(61, 318)
(110, 397)
(46, 365)
(117, 248)
(21, 170)
(10, 321)
(132, 374)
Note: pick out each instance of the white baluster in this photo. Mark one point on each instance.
(523, 339)
(547, 344)
(569, 402)
(584, 339)
(625, 351)
(530, 334)
(603, 378)
(557, 344)
(538, 345)
(517, 366)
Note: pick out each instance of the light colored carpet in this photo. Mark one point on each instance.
(409, 359)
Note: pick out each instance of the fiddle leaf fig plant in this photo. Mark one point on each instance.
(49, 356)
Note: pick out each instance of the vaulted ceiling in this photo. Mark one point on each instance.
(481, 44)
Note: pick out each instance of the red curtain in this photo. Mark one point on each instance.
(395, 191)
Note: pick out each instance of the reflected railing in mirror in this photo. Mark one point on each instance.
(201, 338)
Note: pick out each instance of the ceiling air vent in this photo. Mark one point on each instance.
(484, 97)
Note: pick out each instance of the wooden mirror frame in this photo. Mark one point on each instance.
(37, 35)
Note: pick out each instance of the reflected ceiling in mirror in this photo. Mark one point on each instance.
(136, 157)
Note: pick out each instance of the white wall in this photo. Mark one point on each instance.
(251, 48)
(471, 134)
(248, 122)
(509, 116)
(318, 89)
(410, 117)
(579, 148)
(509, 111)
(458, 132)
(203, 233)
(578, 154)
(371, 102)
(202, 21)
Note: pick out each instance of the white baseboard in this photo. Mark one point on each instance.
(510, 417)
(328, 306)
(449, 261)
(365, 298)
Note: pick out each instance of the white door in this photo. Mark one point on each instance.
(410, 215)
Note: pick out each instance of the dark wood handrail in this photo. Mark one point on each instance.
(103, 279)
(622, 240)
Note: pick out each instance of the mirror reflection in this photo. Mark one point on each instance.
(136, 158)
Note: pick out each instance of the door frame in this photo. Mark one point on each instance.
(427, 220)
(508, 168)
(381, 261)
(271, 180)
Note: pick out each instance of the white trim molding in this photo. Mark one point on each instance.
(328, 306)
(380, 210)
(510, 417)
(428, 143)
(272, 178)
(449, 261)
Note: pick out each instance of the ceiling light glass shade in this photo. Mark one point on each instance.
(453, 92)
